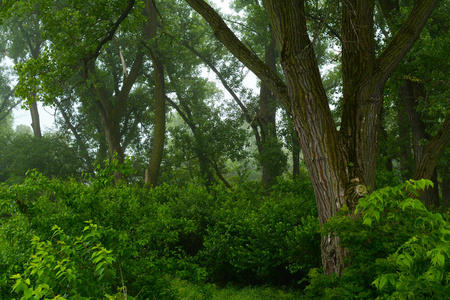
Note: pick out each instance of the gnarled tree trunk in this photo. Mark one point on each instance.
(341, 164)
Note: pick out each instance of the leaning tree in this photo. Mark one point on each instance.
(341, 161)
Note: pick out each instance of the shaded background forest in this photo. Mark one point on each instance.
(216, 128)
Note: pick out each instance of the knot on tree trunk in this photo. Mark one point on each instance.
(355, 191)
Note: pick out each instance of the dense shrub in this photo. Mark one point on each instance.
(267, 239)
(165, 232)
(66, 267)
(397, 249)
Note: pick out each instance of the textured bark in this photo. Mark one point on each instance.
(152, 171)
(411, 93)
(342, 164)
(295, 158)
(321, 146)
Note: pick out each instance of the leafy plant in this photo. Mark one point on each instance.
(67, 267)
(397, 249)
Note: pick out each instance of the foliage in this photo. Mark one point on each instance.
(51, 155)
(272, 239)
(156, 234)
(189, 291)
(397, 249)
(65, 267)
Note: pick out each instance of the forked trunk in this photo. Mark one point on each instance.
(341, 164)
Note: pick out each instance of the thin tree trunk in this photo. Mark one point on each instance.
(267, 115)
(152, 171)
(411, 92)
(404, 144)
(35, 122)
(446, 188)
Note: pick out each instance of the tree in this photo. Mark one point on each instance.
(89, 51)
(341, 162)
(420, 84)
(23, 33)
(52, 155)
(152, 171)
(7, 101)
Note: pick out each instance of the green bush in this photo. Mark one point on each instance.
(169, 231)
(65, 267)
(268, 239)
(397, 249)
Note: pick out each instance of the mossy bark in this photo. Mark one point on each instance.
(341, 164)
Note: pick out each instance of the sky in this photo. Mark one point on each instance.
(46, 114)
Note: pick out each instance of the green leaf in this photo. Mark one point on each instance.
(367, 221)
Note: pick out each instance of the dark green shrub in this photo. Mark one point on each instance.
(156, 234)
(272, 239)
(51, 155)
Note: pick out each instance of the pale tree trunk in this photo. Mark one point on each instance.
(152, 171)
(35, 122)
(34, 45)
(341, 164)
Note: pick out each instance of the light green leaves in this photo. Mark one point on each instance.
(78, 267)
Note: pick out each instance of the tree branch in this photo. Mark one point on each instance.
(110, 33)
(238, 101)
(405, 37)
(238, 49)
(433, 151)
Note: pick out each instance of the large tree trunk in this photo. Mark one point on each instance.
(152, 171)
(341, 164)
